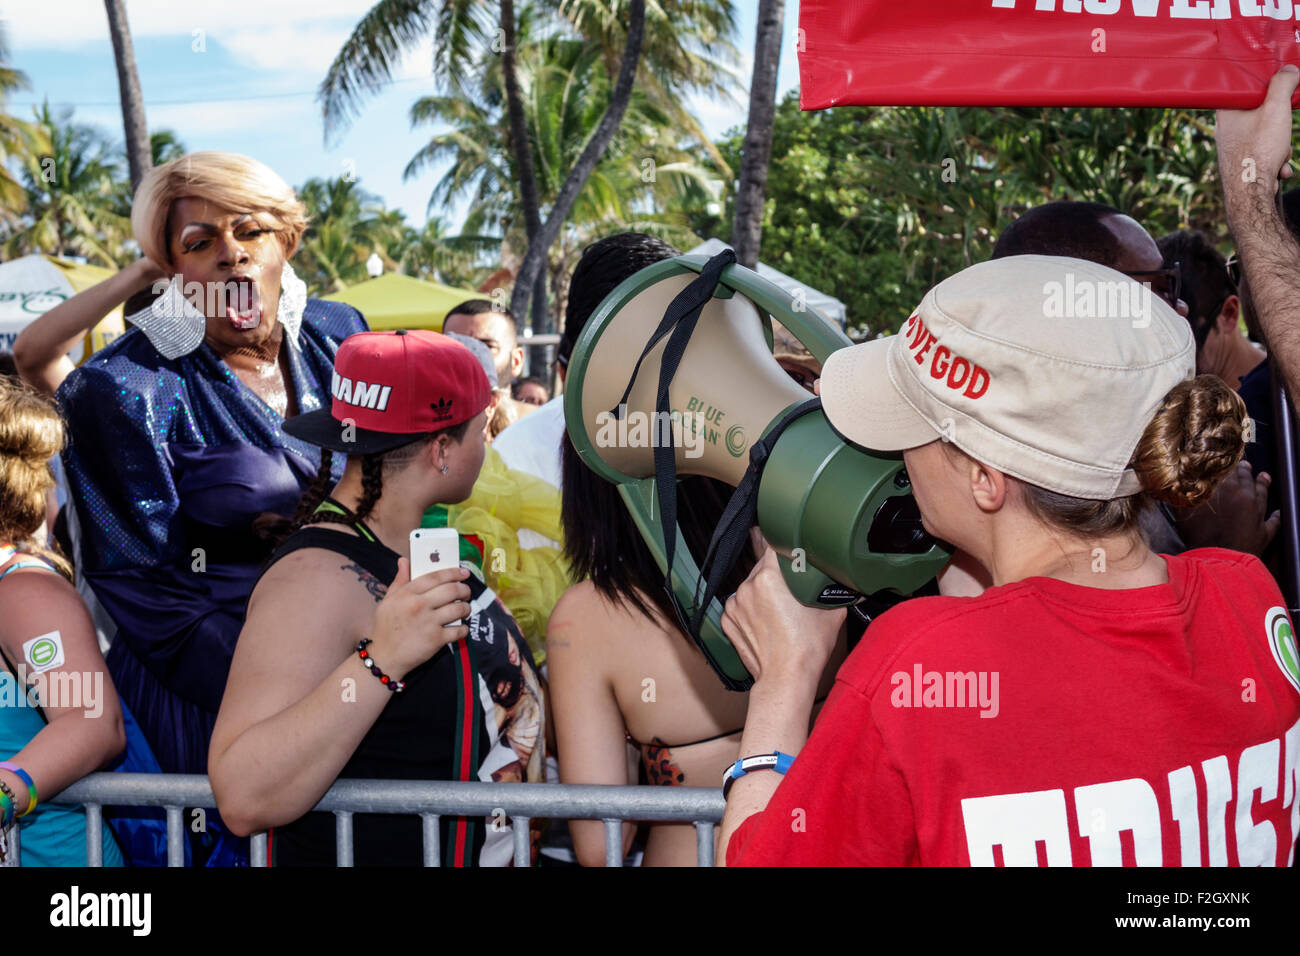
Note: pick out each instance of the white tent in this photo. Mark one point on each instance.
(32, 285)
(829, 306)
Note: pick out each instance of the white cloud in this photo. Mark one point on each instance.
(301, 48)
(299, 38)
(229, 116)
(64, 24)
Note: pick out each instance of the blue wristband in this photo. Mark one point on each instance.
(774, 761)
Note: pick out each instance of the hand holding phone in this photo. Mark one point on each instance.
(434, 549)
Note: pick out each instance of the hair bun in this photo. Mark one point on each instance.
(31, 433)
(30, 427)
(1197, 437)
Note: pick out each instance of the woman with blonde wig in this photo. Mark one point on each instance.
(176, 440)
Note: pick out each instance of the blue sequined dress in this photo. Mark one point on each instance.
(169, 462)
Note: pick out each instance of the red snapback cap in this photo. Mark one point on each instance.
(391, 388)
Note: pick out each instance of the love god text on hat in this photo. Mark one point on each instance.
(954, 371)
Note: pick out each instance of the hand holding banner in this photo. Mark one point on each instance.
(1193, 54)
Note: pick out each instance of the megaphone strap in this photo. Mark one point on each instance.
(732, 530)
(738, 517)
(678, 323)
(684, 309)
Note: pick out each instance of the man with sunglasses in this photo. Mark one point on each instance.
(1098, 233)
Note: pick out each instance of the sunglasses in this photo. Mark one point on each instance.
(1233, 266)
(1166, 283)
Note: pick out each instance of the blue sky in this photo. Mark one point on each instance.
(242, 77)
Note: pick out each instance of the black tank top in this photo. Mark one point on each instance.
(427, 732)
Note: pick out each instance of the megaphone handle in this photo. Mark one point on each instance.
(812, 588)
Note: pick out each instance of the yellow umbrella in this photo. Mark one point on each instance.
(394, 301)
(32, 285)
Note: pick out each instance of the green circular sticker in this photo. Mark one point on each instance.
(736, 441)
(1282, 642)
(43, 652)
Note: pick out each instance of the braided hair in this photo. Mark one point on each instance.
(372, 486)
(276, 528)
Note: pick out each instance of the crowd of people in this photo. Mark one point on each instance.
(227, 590)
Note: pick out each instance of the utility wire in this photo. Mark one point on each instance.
(196, 102)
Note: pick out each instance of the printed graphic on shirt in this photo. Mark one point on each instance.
(511, 696)
(1282, 642)
(1217, 827)
(44, 653)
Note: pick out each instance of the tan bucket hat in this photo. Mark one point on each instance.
(1049, 369)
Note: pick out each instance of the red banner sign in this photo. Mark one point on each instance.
(1204, 54)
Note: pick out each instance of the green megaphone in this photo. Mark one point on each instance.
(842, 519)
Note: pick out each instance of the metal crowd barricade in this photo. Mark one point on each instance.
(427, 799)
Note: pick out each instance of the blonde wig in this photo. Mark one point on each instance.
(227, 179)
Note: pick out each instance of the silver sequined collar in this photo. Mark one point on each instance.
(175, 327)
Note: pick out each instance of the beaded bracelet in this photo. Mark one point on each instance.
(26, 778)
(396, 686)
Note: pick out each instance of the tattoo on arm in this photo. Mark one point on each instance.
(376, 587)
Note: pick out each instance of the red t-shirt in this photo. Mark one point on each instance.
(1046, 723)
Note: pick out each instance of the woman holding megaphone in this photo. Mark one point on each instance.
(1096, 687)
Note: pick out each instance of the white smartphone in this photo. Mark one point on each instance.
(434, 549)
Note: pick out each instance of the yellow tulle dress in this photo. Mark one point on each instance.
(529, 581)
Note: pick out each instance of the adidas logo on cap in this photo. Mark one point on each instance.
(441, 409)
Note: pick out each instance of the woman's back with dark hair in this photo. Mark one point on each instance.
(601, 541)
(620, 666)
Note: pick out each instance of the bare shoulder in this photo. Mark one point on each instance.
(31, 596)
(309, 595)
(327, 579)
(586, 619)
(303, 616)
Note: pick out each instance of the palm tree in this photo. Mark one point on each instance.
(684, 42)
(339, 236)
(461, 30)
(433, 254)
(330, 258)
(75, 194)
(532, 269)
(164, 146)
(128, 81)
(568, 86)
(747, 231)
(18, 140)
(687, 49)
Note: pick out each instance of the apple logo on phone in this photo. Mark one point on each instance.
(434, 557)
